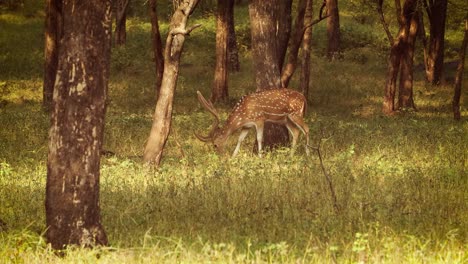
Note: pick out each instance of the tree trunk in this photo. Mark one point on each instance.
(459, 76)
(333, 30)
(264, 50)
(121, 21)
(401, 53)
(157, 44)
(76, 133)
(306, 46)
(53, 34)
(283, 29)
(437, 13)
(405, 91)
(294, 44)
(220, 88)
(163, 112)
(265, 59)
(233, 51)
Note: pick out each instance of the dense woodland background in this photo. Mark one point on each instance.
(400, 180)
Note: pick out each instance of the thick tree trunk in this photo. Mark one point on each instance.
(264, 50)
(459, 76)
(163, 112)
(76, 133)
(53, 34)
(220, 89)
(233, 51)
(121, 21)
(265, 59)
(306, 46)
(437, 13)
(157, 44)
(333, 30)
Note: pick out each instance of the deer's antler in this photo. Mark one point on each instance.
(210, 108)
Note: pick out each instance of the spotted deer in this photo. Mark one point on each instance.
(281, 106)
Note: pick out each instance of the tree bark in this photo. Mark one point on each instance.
(163, 113)
(306, 46)
(266, 62)
(121, 21)
(405, 91)
(333, 30)
(77, 126)
(294, 44)
(401, 56)
(157, 44)
(459, 76)
(437, 13)
(283, 29)
(264, 50)
(220, 89)
(53, 34)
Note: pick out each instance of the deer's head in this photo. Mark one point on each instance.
(216, 135)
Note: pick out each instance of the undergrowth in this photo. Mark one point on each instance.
(401, 182)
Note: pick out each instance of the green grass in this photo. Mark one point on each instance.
(401, 182)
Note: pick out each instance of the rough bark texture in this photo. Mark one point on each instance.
(219, 90)
(264, 50)
(53, 34)
(306, 46)
(163, 112)
(121, 21)
(265, 60)
(402, 52)
(333, 30)
(77, 126)
(459, 76)
(437, 13)
(157, 44)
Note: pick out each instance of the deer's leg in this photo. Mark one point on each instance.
(295, 135)
(259, 128)
(242, 136)
(299, 122)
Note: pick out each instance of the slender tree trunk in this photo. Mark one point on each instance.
(383, 22)
(163, 112)
(437, 13)
(121, 21)
(157, 44)
(233, 51)
(405, 92)
(459, 76)
(220, 88)
(265, 59)
(306, 46)
(77, 126)
(333, 30)
(53, 34)
(294, 44)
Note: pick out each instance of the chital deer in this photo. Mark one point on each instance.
(281, 106)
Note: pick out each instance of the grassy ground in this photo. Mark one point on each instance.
(401, 182)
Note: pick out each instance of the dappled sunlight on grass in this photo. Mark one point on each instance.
(400, 181)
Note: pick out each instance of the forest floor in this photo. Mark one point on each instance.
(401, 182)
